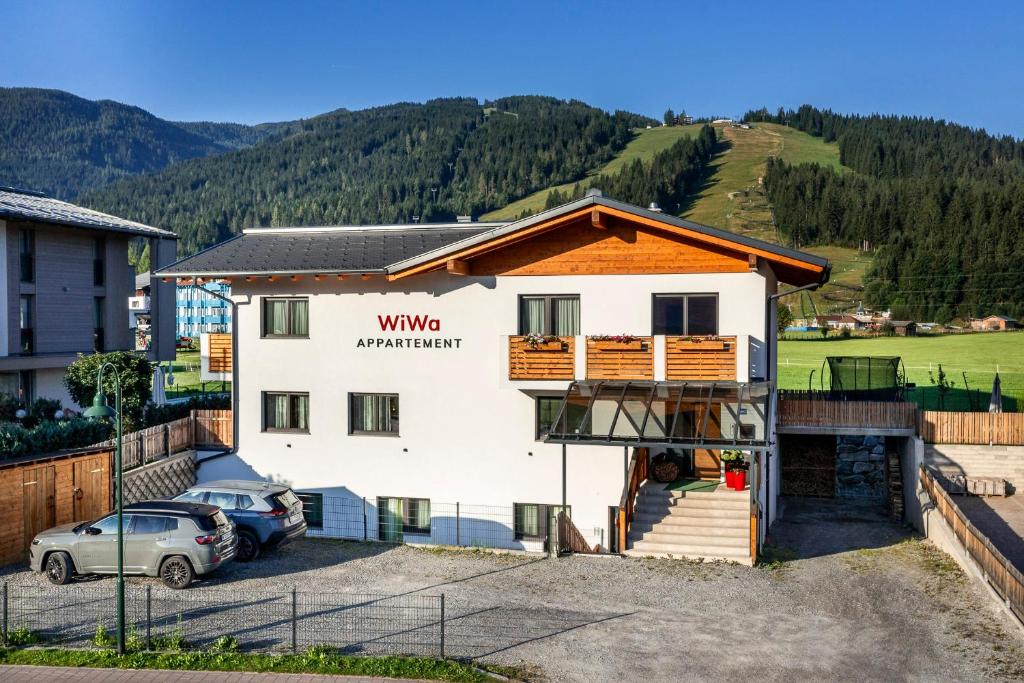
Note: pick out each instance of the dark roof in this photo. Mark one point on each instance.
(390, 249)
(32, 206)
(181, 507)
(320, 250)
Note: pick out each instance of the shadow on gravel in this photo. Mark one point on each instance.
(816, 527)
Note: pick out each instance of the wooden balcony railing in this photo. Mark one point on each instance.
(220, 353)
(609, 359)
(554, 360)
(697, 358)
(847, 414)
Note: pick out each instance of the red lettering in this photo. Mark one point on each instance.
(388, 322)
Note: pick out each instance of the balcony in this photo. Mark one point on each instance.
(647, 358)
(138, 304)
(552, 358)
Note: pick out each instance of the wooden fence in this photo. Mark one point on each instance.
(637, 475)
(1006, 579)
(990, 429)
(824, 413)
(201, 429)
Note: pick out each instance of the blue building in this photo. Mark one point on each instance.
(198, 311)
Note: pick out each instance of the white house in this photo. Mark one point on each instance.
(399, 370)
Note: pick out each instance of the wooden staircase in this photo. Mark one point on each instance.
(709, 524)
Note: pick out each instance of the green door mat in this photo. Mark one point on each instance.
(692, 485)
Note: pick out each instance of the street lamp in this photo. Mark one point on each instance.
(100, 410)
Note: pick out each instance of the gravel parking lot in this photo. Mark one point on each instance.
(849, 596)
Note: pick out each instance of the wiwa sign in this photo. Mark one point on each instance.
(395, 325)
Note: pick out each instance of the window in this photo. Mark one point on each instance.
(28, 255)
(558, 315)
(373, 414)
(312, 509)
(99, 261)
(285, 412)
(108, 525)
(531, 520)
(99, 316)
(685, 314)
(547, 413)
(148, 524)
(192, 496)
(286, 317)
(245, 502)
(27, 328)
(397, 516)
(222, 500)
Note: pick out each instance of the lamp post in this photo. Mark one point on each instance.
(100, 410)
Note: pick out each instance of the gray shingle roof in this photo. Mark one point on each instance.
(320, 250)
(29, 206)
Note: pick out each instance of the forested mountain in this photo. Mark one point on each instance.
(941, 205)
(435, 160)
(60, 144)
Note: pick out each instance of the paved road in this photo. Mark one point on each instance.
(44, 674)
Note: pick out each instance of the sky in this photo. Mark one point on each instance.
(270, 61)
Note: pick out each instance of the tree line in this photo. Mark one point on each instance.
(396, 163)
(941, 206)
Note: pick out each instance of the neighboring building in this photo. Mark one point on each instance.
(904, 328)
(199, 311)
(994, 323)
(839, 322)
(64, 284)
(390, 366)
(138, 312)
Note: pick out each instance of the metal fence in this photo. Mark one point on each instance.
(289, 620)
(424, 522)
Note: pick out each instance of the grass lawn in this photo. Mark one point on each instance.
(645, 145)
(314, 661)
(186, 377)
(976, 354)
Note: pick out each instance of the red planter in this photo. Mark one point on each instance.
(736, 479)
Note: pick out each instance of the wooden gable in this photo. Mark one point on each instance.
(619, 248)
(604, 240)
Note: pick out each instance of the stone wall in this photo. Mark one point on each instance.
(860, 467)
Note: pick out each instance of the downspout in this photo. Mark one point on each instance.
(234, 364)
(770, 375)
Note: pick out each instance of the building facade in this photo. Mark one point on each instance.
(200, 312)
(416, 367)
(65, 282)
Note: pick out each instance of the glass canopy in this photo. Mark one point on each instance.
(677, 414)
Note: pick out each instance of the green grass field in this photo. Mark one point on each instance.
(186, 377)
(644, 146)
(979, 355)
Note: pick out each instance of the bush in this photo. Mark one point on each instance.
(156, 415)
(16, 440)
(136, 375)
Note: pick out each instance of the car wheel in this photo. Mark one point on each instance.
(248, 546)
(176, 572)
(59, 569)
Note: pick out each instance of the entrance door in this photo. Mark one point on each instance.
(39, 507)
(90, 502)
(707, 464)
(389, 519)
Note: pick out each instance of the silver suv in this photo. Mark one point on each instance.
(173, 540)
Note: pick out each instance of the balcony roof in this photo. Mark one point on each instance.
(683, 415)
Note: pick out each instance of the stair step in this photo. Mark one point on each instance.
(694, 503)
(700, 550)
(732, 540)
(707, 513)
(688, 520)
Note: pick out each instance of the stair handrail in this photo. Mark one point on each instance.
(636, 475)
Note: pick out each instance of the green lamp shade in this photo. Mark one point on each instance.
(99, 407)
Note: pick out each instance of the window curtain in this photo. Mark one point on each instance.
(375, 413)
(533, 316)
(529, 520)
(276, 317)
(567, 317)
(277, 411)
(300, 412)
(390, 512)
(300, 318)
(420, 514)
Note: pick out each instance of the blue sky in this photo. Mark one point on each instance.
(254, 61)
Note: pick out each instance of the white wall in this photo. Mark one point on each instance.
(467, 431)
(50, 384)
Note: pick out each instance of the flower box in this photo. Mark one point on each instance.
(703, 345)
(611, 345)
(555, 345)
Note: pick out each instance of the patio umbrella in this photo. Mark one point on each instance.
(159, 397)
(995, 404)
